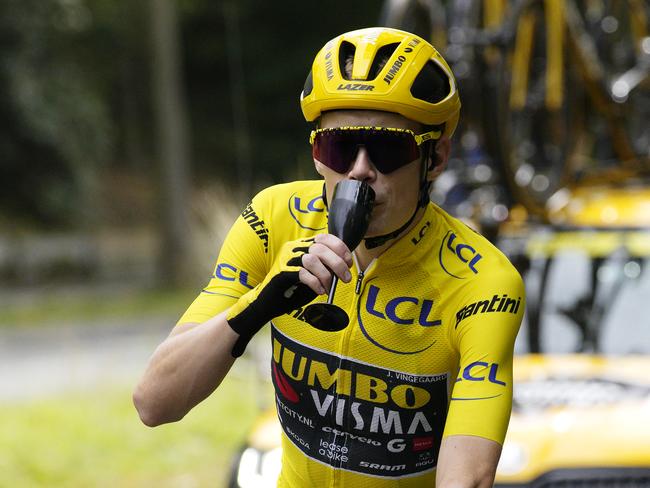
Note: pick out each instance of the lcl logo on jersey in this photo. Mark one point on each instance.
(476, 371)
(303, 210)
(480, 372)
(452, 248)
(400, 310)
(228, 272)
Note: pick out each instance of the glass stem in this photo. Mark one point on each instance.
(330, 297)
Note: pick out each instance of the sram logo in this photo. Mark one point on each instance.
(382, 467)
(307, 211)
(452, 248)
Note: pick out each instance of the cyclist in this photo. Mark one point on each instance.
(417, 390)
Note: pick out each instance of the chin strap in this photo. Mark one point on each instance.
(423, 201)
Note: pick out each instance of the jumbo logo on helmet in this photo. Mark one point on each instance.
(394, 68)
(307, 210)
(399, 62)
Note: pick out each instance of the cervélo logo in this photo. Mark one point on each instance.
(257, 224)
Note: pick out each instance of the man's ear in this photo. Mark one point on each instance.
(440, 155)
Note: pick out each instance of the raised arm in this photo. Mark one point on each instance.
(191, 363)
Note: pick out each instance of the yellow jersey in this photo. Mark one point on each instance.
(427, 354)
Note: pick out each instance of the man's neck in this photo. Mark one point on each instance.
(365, 256)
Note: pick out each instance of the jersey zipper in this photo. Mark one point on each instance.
(362, 273)
(357, 288)
(335, 480)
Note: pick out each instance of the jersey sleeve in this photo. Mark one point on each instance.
(486, 323)
(242, 264)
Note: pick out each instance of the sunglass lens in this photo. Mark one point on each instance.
(335, 149)
(388, 150)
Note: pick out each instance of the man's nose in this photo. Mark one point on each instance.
(362, 168)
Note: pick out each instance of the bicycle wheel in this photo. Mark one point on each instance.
(540, 107)
(583, 119)
(620, 35)
(483, 195)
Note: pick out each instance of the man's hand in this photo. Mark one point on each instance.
(328, 254)
(299, 273)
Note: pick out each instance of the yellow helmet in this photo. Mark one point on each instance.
(415, 81)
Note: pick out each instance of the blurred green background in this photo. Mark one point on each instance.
(132, 135)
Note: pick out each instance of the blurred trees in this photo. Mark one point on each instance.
(56, 125)
(93, 97)
(171, 136)
(76, 103)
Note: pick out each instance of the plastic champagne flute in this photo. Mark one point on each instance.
(349, 216)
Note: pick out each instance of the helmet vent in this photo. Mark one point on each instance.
(346, 59)
(309, 85)
(431, 84)
(383, 55)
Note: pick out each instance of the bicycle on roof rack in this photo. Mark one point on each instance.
(558, 91)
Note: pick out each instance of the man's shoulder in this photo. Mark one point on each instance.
(293, 209)
(465, 253)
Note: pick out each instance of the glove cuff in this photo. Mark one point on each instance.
(246, 323)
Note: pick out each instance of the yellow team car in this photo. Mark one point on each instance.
(581, 407)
